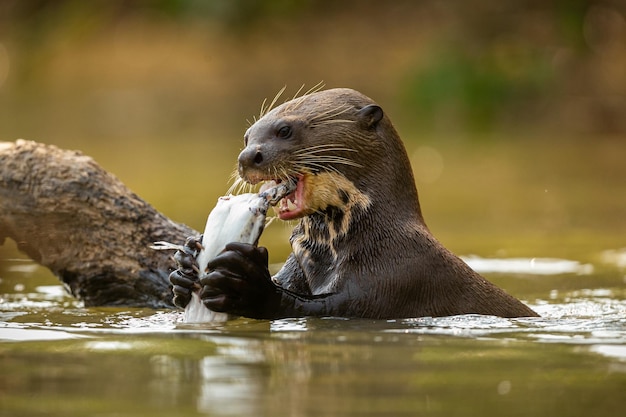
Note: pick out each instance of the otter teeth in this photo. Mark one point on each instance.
(291, 205)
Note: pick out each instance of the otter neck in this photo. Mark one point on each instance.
(327, 242)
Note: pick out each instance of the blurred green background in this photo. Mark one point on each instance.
(513, 112)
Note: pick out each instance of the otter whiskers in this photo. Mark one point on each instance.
(265, 109)
(318, 158)
(318, 118)
(239, 186)
(297, 99)
(242, 186)
(317, 87)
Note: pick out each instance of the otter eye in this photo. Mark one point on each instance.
(284, 132)
(245, 140)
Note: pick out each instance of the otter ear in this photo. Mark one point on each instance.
(369, 116)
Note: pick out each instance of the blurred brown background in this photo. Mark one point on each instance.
(513, 112)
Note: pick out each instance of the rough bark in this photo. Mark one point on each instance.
(71, 216)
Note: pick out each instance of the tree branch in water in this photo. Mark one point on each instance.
(70, 215)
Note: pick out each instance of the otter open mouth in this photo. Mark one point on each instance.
(287, 196)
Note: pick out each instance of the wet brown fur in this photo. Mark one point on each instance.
(362, 249)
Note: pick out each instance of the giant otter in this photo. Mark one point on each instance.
(361, 248)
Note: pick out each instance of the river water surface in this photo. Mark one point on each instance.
(553, 237)
(59, 358)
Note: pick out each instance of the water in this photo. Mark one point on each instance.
(548, 193)
(546, 217)
(59, 358)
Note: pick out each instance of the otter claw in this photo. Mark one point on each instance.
(192, 245)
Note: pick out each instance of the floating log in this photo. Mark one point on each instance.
(70, 215)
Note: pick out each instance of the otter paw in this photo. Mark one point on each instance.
(182, 287)
(184, 279)
(185, 257)
(239, 282)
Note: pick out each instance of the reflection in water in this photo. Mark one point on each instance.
(226, 388)
(616, 257)
(230, 380)
(89, 361)
(612, 351)
(219, 386)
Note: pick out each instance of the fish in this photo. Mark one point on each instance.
(235, 218)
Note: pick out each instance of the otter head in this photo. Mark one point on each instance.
(337, 145)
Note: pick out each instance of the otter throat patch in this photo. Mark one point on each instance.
(323, 191)
(331, 189)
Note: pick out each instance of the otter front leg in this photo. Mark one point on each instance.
(240, 283)
(184, 279)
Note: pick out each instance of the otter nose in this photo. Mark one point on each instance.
(251, 157)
